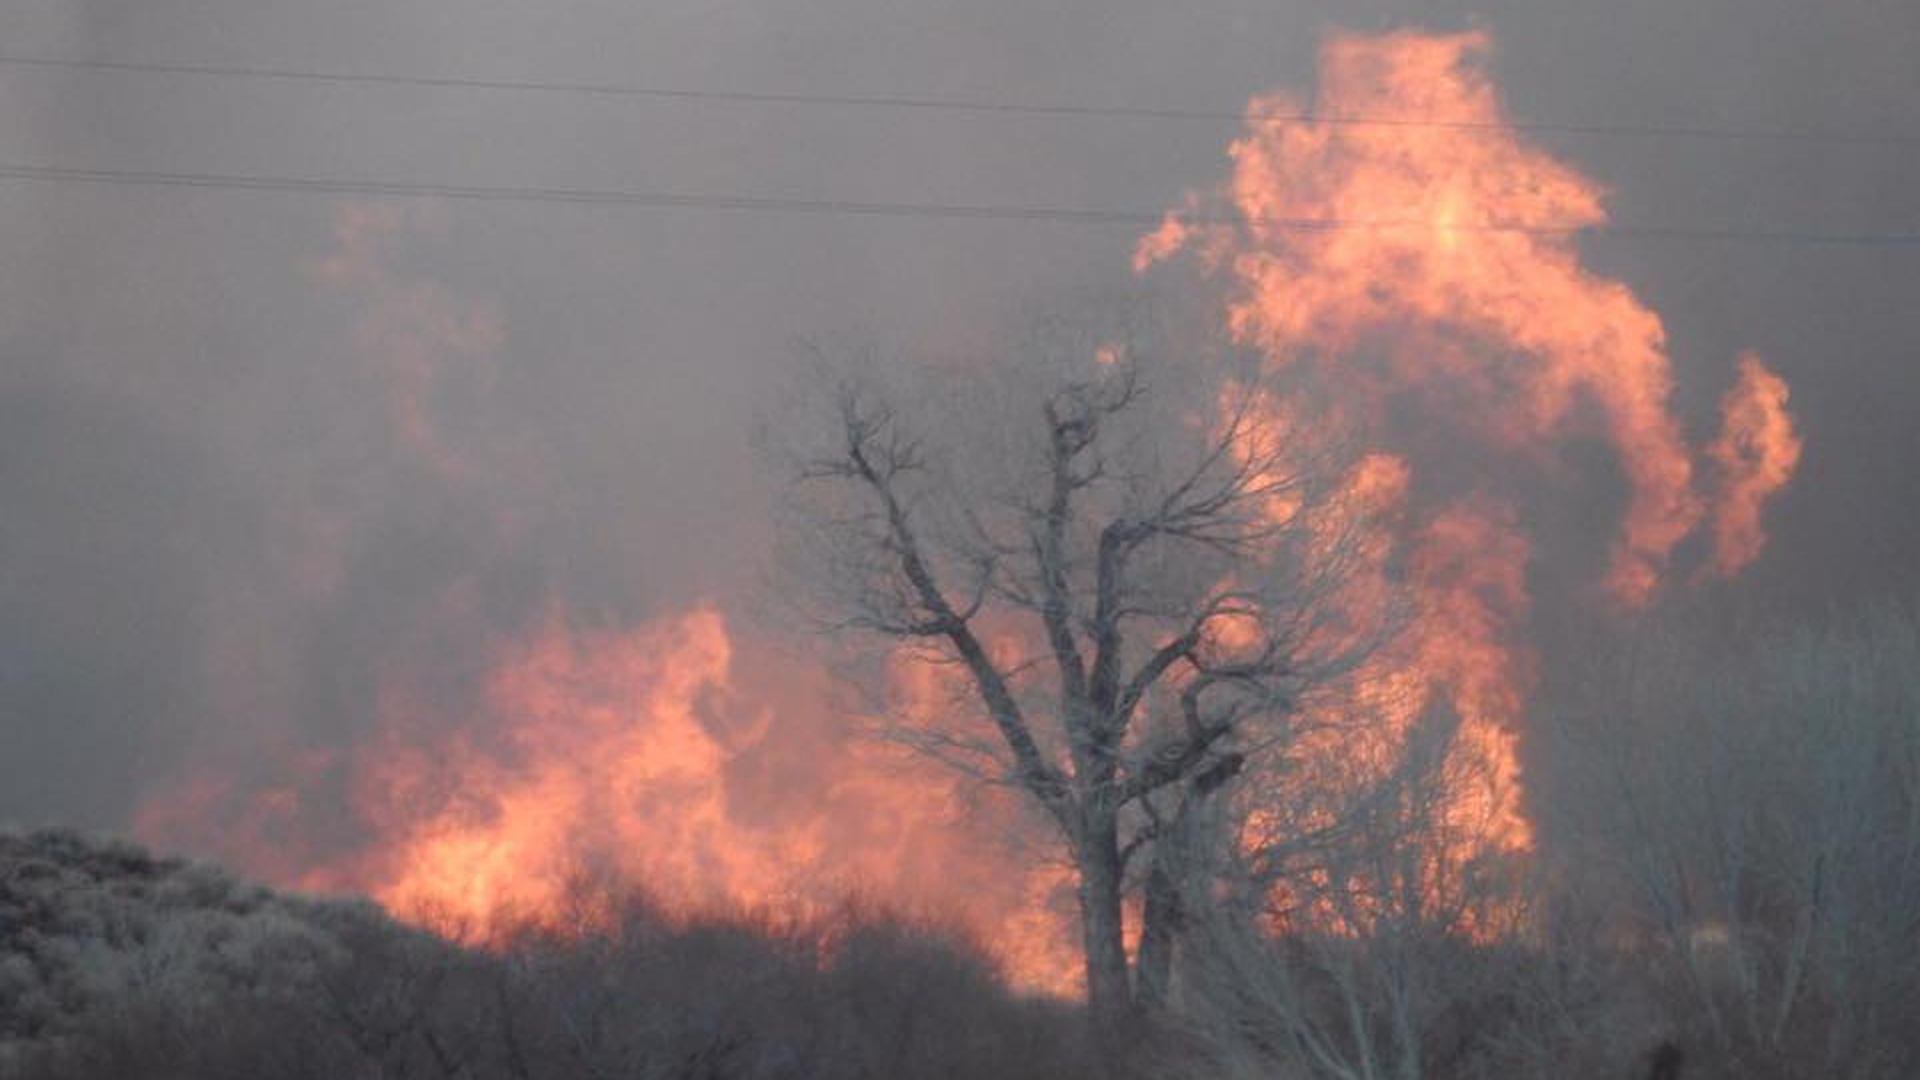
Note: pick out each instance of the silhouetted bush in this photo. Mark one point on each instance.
(1729, 887)
(338, 991)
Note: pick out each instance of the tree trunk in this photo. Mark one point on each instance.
(1109, 994)
(1159, 928)
(1175, 863)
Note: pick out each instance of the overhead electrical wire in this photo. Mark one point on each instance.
(938, 104)
(803, 205)
(776, 204)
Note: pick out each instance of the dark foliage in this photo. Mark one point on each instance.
(1735, 900)
(327, 990)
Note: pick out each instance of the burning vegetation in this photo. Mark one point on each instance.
(1201, 670)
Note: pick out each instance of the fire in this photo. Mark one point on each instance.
(1437, 263)
(666, 755)
(1444, 262)
(632, 754)
(1433, 264)
(1756, 453)
(635, 757)
(597, 753)
(1469, 568)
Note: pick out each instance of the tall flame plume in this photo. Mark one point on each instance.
(1437, 264)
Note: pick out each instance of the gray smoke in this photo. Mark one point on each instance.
(260, 450)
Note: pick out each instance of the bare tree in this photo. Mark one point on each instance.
(1362, 948)
(1137, 569)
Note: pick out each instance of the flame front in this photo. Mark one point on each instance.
(1433, 263)
(1415, 247)
(1441, 258)
(634, 756)
(598, 755)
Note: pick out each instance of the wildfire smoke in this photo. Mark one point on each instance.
(1432, 264)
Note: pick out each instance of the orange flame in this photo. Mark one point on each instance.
(602, 755)
(1450, 250)
(1756, 454)
(1437, 262)
(1442, 265)
(627, 751)
(633, 757)
(1469, 568)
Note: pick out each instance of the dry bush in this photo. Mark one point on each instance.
(645, 995)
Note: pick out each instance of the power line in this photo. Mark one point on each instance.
(952, 105)
(852, 207)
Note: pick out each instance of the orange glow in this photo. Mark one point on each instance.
(1438, 264)
(674, 756)
(1449, 268)
(600, 755)
(1464, 584)
(1755, 455)
(634, 757)
(1469, 568)
(624, 753)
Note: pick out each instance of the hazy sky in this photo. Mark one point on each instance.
(257, 447)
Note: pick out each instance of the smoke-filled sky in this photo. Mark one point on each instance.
(271, 462)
